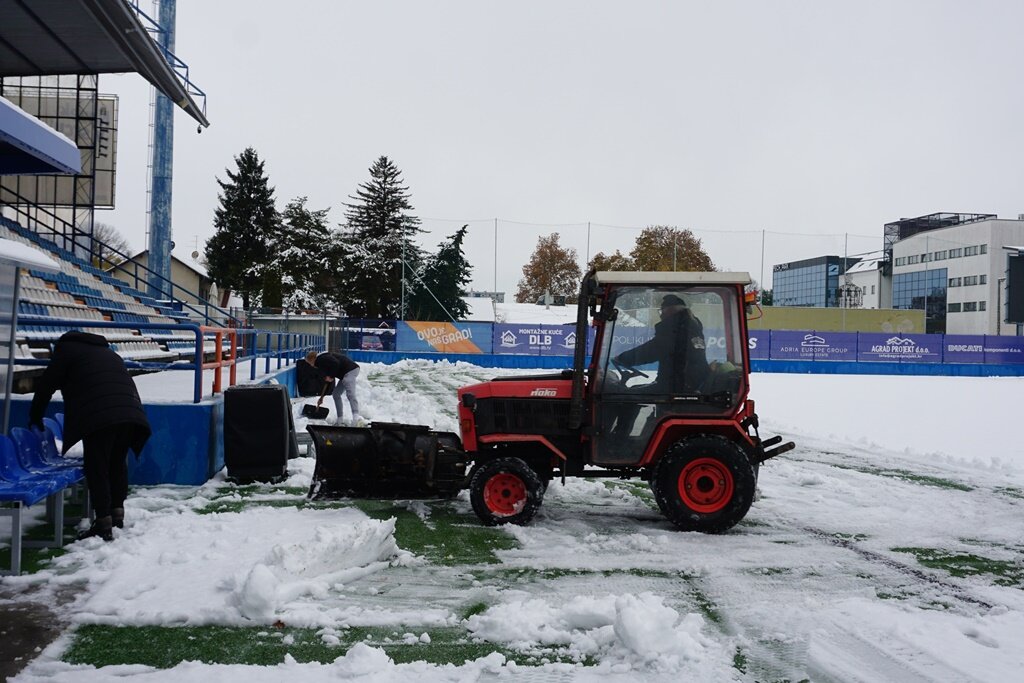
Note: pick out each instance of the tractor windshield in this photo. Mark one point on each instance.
(667, 350)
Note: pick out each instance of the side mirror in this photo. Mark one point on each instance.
(469, 401)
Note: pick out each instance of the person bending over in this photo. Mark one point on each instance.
(102, 409)
(345, 370)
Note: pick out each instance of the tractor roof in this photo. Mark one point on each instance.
(669, 278)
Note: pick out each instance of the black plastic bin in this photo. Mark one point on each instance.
(259, 433)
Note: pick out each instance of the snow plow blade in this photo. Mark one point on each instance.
(386, 460)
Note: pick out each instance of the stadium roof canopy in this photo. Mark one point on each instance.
(28, 146)
(60, 37)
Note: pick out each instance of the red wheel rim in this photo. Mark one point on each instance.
(504, 494)
(706, 485)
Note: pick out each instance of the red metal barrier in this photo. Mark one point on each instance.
(219, 362)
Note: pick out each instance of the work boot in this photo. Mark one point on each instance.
(102, 527)
(117, 515)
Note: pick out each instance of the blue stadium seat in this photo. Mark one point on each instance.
(29, 453)
(19, 485)
(54, 427)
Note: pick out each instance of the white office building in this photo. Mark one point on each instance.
(864, 285)
(953, 266)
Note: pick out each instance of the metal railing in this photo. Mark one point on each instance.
(288, 348)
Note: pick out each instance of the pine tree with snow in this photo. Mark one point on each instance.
(239, 251)
(441, 282)
(378, 238)
(301, 256)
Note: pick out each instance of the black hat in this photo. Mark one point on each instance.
(672, 300)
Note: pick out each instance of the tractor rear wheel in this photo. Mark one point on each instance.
(505, 491)
(704, 483)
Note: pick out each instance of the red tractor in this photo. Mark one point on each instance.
(663, 398)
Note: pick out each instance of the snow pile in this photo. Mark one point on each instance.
(625, 632)
(261, 565)
(334, 555)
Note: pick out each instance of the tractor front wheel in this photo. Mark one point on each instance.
(505, 491)
(704, 483)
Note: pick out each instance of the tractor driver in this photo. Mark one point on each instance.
(678, 347)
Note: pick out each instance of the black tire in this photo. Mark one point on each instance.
(505, 491)
(704, 483)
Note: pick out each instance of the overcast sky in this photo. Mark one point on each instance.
(815, 122)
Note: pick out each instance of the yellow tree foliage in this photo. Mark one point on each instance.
(660, 247)
(552, 269)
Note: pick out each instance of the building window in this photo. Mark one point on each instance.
(956, 253)
(970, 251)
(954, 282)
(981, 305)
(970, 280)
(982, 279)
(940, 255)
(923, 290)
(983, 248)
(954, 308)
(970, 306)
(872, 289)
(901, 261)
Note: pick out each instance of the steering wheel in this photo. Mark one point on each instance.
(628, 372)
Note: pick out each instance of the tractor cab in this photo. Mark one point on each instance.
(670, 348)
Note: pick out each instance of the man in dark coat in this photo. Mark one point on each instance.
(102, 409)
(345, 370)
(678, 346)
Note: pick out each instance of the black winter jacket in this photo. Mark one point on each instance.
(678, 346)
(98, 391)
(335, 365)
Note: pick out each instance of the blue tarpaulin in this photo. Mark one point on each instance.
(28, 146)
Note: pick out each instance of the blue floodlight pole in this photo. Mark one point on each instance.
(162, 162)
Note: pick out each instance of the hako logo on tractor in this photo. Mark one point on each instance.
(544, 393)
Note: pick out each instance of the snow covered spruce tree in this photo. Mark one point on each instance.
(238, 254)
(301, 250)
(441, 282)
(552, 269)
(377, 238)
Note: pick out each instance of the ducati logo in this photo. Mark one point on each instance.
(544, 393)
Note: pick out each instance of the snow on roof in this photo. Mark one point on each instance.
(534, 313)
(25, 256)
(481, 309)
(864, 265)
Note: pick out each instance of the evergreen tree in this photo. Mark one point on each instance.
(660, 247)
(441, 282)
(238, 254)
(378, 240)
(300, 256)
(552, 269)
